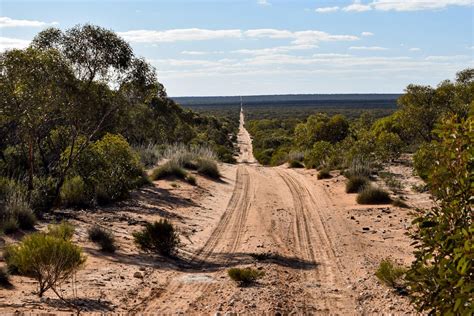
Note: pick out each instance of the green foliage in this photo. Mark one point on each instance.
(103, 237)
(324, 174)
(191, 179)
(74, 192)
(159, 237)
(15, 210)
(320, 127)
(50, 260)
(295, 164)
(208, 168)
(442, 276)
(245, 276)
(319, 154)
(424, 160)
(359, 168)
(390, 273)
(373, 195)
(355, 183)
(169, 169)
(63, 230)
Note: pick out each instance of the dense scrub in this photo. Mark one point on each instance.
(72, 113)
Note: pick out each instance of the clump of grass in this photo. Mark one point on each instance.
(16, 212)
(245, 276)
(149, 154)
(169, 169)
(73, 192)
(4, 277)
(324, 174)
(393, 183)
(373, 195)
(390, 273)
(191, 179)
(355, 183)
(208, 168)
(159, 237)
(187, 156)
(103, 237)
(295, 164)
(63, 231)
(10, 226)
(399, 203)
(360, 168)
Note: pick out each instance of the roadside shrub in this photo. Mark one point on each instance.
(103, 237)
(318, 155)
(63, 230)
(424, 160)
(208, 168)
(4, 277)
(159, 237)
(358, 168)
(17, 208)
(73, 192)
(169, 169)
(7, 257)
(295, 164)
(390, 273)
(149, 154)
(245, 276)
(43, 194)
(324, 174)
(373, 195)
(50, 260)
(10, 225)
(191, 179)
(355, 183)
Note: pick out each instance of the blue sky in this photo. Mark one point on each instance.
(272, 47)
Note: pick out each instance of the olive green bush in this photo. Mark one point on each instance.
(103, 237)
(355, 183)
(373, 195)
(245, 276)
(74, 192)
(390, 273)
(324, 173)
(209, 168)
(158, 237)
(169, 169)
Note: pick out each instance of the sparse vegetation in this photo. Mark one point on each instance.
(295, 164)
(10, 226)
(355, 183)
(398, 202)
(390, 273)
(324, 174)
(208, 168)
(103, 237)
(158, 237)
(191, 179)
(373, 195)
(63, 230)
(169, 169)
(4, 277)
(245, 276)
(15, 210)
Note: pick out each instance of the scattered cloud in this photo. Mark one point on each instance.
(367, 48)
(11, 43)
(263, 2)
(9, 22)
(405, 5)
(357, 7)
(327, 9)
(448, 58)
(414, 49)
(192, 52)
(309, 37)
(273, 50)
(367, 34)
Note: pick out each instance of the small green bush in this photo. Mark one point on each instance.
(373, 195)
(355, 183)
(169, 169)
(390, 273)
(43, 194)
(424, 160)
(17, 210)
(103, 237)
(63, 231)
(191, 179)
(73, 192)
(245, 276)
(295, 164)
(10, 226)
(318, 155)
(159, 237)
(208, 168)
(399, 203)
(358, 168)
(324, 174)
(8, 258)
(4, 277)
(50, 260)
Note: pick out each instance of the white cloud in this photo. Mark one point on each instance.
(263, 2)
(309, 37)
(9, 22)
(193, 34)
(367, 34)
(10, 43)
(448, 58)
(367, 48)
(327, 9)
(193, 52)
(414, 49)
(405, 5)
(273, 50)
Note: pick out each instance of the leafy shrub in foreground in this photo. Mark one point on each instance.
(245, 276)
(356, 183)
(390, 273)
(50, 260)
(169, 169)
(208, 168)
(373, 195)
(324, 174)
(159, 237)
(103, 237)
(424, 160)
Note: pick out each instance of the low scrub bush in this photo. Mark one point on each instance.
(169, 169)
(10, 226)
(324, 174)
(4, 277)
(208, 168)
(318, 155)
(373, 195)
(149, 154)
(295, 164)
(73, 192)
(245, 276)
(16, 213)
(399, 203)
(390, 273)
(358, 168)
(158, 237)
(355, 183)
(63, 230)
(103, 237)
(191, 179)
(424, 160)
(50, 260)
